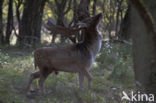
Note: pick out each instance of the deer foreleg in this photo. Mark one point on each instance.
(33, 76)
(81, 80)
(89, 77)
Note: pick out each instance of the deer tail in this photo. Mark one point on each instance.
(35, 64)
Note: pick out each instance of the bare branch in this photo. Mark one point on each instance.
(57, 3)
(69, 7)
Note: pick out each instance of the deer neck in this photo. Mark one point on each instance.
(93, 41)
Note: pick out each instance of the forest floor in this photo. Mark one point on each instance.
(112, 73)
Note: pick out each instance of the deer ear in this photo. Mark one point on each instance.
(96, 19)
(99, 16)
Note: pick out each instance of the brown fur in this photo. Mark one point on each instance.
(77, 58)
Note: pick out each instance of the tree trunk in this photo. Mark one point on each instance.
(60, 20)
(94, 7)
(18, 5)
(60, 15)
(144, 44)
(83, 10)
(125, 26)
(61, 5)
(9, 22)
(119, 3)
(30, 24)
(83, 13)
(1, 23)
(75, 11)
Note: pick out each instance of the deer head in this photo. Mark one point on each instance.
(91, 22)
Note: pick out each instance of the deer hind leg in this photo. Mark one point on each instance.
(81, 80)
(41, 81)
(43, 75)
(89, 77)
(33, 76)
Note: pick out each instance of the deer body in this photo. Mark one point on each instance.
(77, 58)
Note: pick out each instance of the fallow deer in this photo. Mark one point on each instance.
(76, 58)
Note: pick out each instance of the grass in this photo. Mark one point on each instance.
(112, 72)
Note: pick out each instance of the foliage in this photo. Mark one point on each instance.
(108, 7)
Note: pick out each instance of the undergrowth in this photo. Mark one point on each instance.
(112, 73)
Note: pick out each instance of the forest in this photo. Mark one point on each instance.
(77, 51)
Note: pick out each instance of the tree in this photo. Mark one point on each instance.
(1, 23)
(124, 32)
(119, 4)
(60, 11)
(31, 21)
(83, 10)
(75, 11)
(18, 4)
(94, 7)
(143, 33)
(109, 11)
(9, 22)
(82, 13)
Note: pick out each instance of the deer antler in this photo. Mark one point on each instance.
(55, 29)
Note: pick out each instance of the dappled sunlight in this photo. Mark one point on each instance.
(46, 37)
(13, 39)
(95, 64)
(106, 47)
